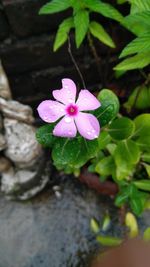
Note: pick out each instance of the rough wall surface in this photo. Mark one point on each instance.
(26, 41)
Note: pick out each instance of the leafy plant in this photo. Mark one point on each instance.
(137, 51)
(124, 144)
(81, 20)
(70, 155)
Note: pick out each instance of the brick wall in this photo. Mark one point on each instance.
(26, 41)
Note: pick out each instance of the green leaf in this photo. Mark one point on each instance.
(55, 6)
(121, 128)
(109, 107)
(142, 5)
(121, 198)
(126, 155)
(73, 152)
(94, 226)
(106, 222)
(81, 22)
(146, 157)
(147, 167)
(131, 223)
(138, 23)
(104, 9)
(45, 135)
(99, 32)
(127, 151)
(146, 235)
(138, 61)
(140, 98)
(143, 184)
(111, 148)
(105, 166)
(139, 45)
(103, 140)
(136, 205)
(109, 241)
(62, 33)
(142, 125)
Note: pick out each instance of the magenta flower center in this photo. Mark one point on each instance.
(72, 110)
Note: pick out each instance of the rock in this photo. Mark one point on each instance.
(52, 232)
(22, 147)
(5, 164)
(2, 142)
(4, 84)
(24, 184)
(15, 110)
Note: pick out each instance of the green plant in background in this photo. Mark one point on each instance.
(81, 20)
(137, 51)
(124, 154)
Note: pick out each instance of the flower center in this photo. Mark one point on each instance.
(72, 110)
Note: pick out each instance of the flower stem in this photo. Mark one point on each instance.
(74, 62)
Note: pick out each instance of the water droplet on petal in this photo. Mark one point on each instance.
(66, 86)
(68, 119)
(93, 131)
(89, 133)
(96, 136)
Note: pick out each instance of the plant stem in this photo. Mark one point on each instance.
(95, 54)
(75, 63)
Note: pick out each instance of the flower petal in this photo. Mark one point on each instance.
(65, 128)
(87, 101)
(87, 125)
(50, 111)
(67, 94)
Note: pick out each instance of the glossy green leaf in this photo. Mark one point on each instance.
(55, 6)
(146, 157)
(138, 61)
(109, 241)
(62, 33)
(109, 107)
(103, 140)
(104, 9)
(142, 124)
(127, 151)
(139, 45)
(121, 128)
(143, 184)
(98, 31)
(45, 136)
(105, 166)
(111, 148)
(81, 22)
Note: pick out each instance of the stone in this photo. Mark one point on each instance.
(5, 164)
(3, 144)
(24, 184)
(15, 110)
(4, 84)
(22, 147)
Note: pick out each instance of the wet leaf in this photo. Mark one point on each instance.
(131, 223)
(94, 226)
(109, 241)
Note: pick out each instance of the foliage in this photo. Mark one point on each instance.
(138, 50)
(71, 154)
(124, 144)
(81, 21)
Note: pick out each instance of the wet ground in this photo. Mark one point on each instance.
(50, 231)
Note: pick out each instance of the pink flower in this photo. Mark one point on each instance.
(67, 107)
